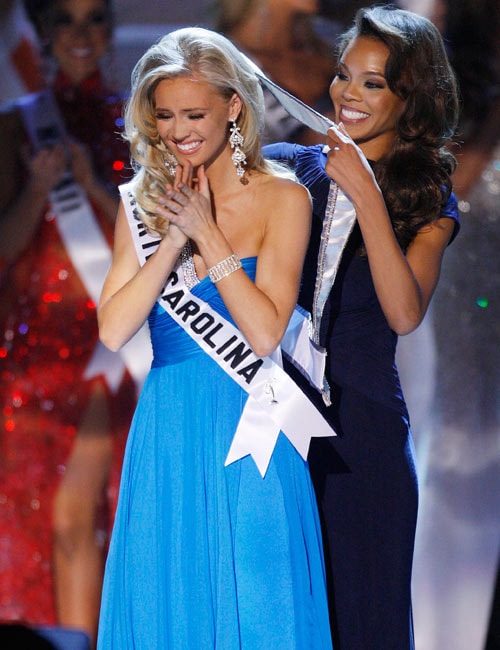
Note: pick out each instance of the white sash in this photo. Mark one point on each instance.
(84, 242)
(335, 232)
(275, 403)
(334, 236)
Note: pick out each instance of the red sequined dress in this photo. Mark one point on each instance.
(48, 331)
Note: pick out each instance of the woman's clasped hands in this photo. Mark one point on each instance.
(187, 206)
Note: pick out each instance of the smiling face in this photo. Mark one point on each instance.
(80, 37)
(192, 119)
(361, 98)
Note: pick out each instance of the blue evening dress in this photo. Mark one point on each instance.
(204, 556)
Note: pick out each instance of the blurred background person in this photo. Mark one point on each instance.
(282, 37)
(65, 406)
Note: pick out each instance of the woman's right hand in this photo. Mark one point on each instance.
(27, 206)
(183, 177)
(347, 165)
(47, 168)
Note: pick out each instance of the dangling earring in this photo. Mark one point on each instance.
(170, 162)
(236, 140)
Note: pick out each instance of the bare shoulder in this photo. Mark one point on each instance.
(436, 234)
(285, 191)
(285, 210)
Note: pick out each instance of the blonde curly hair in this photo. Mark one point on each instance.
(183, 53)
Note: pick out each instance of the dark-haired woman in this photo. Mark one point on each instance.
(61, 414)
(394, 96)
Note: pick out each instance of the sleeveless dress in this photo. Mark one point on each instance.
(202, 555)
(365, 478)
(48, 333)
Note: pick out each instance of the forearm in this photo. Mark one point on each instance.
(254, 313)
(262, 321)
(123, 310)
(397, 289)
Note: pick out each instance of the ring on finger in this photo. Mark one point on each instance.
(185, 190)
(175, 208)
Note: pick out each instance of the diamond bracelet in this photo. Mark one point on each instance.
(224, 268)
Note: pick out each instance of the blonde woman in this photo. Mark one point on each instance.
(207, 551)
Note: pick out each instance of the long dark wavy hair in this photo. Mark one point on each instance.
(414, 175)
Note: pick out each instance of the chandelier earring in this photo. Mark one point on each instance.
(170, 161)
(236, 140)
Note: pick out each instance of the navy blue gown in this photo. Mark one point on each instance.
(365, 478)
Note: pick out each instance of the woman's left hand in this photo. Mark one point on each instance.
(187, 204)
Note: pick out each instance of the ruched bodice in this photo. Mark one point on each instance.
(170, 343)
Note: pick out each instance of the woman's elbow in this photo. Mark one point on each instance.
(265, 343)
(263, 350)
(109, 341)
(406, 315)
(406, 323)
(109, 335)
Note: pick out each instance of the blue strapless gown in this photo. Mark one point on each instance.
(205, 556)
